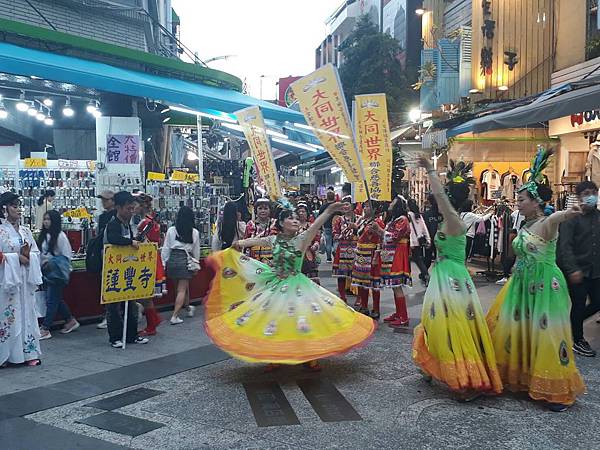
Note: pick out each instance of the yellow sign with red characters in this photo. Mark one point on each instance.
(253, 125)
(79, 213)
(35, 163)
(375, 146)
(128, 273)
(323, 104)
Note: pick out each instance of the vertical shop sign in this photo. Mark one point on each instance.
(122, 149)
(487, 30)
(323, 104)
(374, 144)
(253, 125)
(128, 273)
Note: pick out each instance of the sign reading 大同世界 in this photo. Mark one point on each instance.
(374, 144)
(122, 149)
(128, 273)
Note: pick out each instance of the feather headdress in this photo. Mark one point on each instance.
(460, 172)
(538, 164)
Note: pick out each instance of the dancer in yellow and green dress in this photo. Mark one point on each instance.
(274, 313)
(529, 321)
(453, 344)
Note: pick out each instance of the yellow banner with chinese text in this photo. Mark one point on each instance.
(374, 144)
(79, 213)
(323, 104)
(128, 273)
(253, 125)
(156, 176)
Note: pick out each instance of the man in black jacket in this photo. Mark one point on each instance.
(579, 258)
(118, 232)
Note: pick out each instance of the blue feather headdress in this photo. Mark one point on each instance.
(538, 164)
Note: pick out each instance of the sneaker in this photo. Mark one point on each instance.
(502, 281)
(390, 318)
(44, 334)
(398, 323)
(175, 320)
(141, 340)
(117, 344)
(557, 407)
(191, 311)
(102, 325)
(68, 328)
(581, 347)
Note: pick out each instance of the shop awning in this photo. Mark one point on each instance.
(28, 62)
(549, 105)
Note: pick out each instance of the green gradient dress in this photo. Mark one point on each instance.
(453, 344)
(530, 325)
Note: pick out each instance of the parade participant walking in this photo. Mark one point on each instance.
(420, 240)
(453, 344)
(310, 266)
(530, 319)
(328, 225)
(180, 254)
(261, 226)
(53, 243)
(108, 205)
(275, 314)
(579, 259)
(366, 271)
(20, 276)
(395, 259)
(118, 232)
(149, 231)
(344, 237)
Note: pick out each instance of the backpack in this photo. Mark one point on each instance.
(58, 271)
(93, 256)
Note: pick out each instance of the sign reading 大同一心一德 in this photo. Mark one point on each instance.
(122, 149)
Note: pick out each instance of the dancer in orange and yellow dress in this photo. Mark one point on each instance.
(453, 344)
(274, 313)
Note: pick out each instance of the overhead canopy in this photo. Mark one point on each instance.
(198, 97)
(553, 104)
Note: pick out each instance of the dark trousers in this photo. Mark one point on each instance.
(507, 264)
(469, 247)
(417, 257)
(580, 310)
(55, 303)
(430, 256)
(114, 320)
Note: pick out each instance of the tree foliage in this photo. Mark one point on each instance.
(372, 65)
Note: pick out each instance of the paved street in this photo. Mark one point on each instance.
(179, 392)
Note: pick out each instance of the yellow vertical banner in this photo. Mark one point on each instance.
(323, 104)
(128, 273)
(374, 143)
(253, 125)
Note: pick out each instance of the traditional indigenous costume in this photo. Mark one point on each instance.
(452, 343)
(275, 314)
(149, 228)
(395, 254)
(366, 271)
(310, 265)
(345, 238)
(256, 229)
(19, 330)
(530, 322)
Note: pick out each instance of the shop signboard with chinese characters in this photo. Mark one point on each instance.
(35, 163)
(374, 144)
(323, 104)
(254, 128)
(122, 149)
(128, 273)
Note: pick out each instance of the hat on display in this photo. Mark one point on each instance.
(106, 195)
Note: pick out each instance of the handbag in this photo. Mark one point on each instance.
(193, 265)
(57, 271)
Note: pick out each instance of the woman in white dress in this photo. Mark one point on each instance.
(20, 275)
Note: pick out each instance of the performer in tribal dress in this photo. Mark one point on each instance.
(275, 314)
(530, 321)
(366, 272)
(310, 265)
(395, 260)
(261, 226)
(344, 236)
(452, 343)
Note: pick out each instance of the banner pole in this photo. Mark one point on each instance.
(125, 324)
(360, 163)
